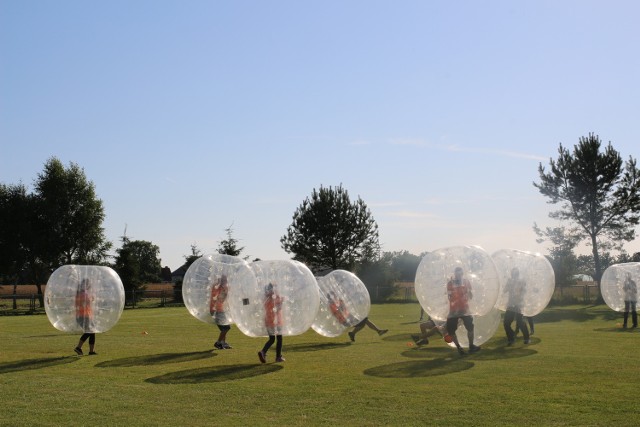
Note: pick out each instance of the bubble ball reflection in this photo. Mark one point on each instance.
(283, 300)
(438, 268)
(344, 302)
(527, 281)
(84, 298)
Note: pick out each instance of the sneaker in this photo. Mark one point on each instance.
(226, 346)
(92, 353)
(280, 359)
(416, 338)
(352, 336)
(461, 352)
(382, 332)
(262, 357)
(423, 341)
(219, 345)
(78, 351)
(527, 341)
(510, 342)
(474, 349)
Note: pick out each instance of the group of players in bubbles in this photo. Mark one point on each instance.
(462, 289)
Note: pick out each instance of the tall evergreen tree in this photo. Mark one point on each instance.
(597, 192)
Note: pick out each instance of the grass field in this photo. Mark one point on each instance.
(581, 369)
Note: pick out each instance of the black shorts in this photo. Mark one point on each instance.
(452, 324)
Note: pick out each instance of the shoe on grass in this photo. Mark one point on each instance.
(226, 346)
(352, 336)
(474, 349)
(92, 353)
(78, 351)
(219, 345)
(262, 357)
(382, 332)
(280, 359)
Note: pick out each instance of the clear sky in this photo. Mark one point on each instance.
(190, 117)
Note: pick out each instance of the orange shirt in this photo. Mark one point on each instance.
(83, 304)
(273, 311)
(459, 295)
(339, 311)
(218, 296)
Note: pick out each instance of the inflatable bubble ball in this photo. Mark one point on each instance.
(283, 299)
(344, 302)
(84, 298)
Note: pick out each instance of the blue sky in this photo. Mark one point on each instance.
(190, 117)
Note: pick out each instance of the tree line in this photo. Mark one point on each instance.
(60, 222)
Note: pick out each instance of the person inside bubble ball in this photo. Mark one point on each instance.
(365, 322)
(630, 299)
(459, 294)
(339, 310)
(273, 321)
(428, 328)
(84, 316)
(219, 292)
(516, 288)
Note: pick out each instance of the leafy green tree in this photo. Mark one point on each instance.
(70, 216)
(329, 231)
(137, 263)
(405, 265)
(597, 192)
(59, 223)
(561, 254)
(377, 275)
(16, 235)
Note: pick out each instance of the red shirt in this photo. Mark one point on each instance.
(459, 293)
(273, 310)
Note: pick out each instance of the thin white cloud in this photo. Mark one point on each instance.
(460, 149)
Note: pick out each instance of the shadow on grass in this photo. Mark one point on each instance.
(496, 353)
(583, 314)
(215, 374)
(618, 329)
(422, 368)
(156, 359)
(27, 364)
(402, 337)
(299, 348)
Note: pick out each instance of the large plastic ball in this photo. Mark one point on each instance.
(619, 283)
(484, 327)
(344, 302)
(84, 298)
(206, 285)
(437, 268)
(283, 300)
(527, 279)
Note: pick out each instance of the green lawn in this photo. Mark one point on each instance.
(580, 369)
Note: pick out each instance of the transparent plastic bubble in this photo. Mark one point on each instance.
(484, 327)
(344, 302)
(437, 269)
(206, 285)
(527, 281)
(619, 283)
(84, 298)
(283, 300)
